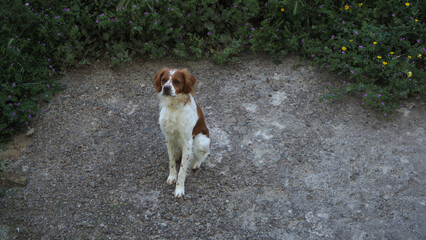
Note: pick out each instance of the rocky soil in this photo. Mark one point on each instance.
(283, 165)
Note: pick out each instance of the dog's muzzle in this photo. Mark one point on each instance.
(167, 90)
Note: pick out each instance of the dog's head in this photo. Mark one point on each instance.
(172, 82)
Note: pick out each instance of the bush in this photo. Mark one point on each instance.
(26, 68)
(378, 44)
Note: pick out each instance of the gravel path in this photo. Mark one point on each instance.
(282, 165)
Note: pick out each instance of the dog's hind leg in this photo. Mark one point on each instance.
(201, 150)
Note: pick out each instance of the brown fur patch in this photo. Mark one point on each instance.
(158, 77)
(187, 79)
(200, 126)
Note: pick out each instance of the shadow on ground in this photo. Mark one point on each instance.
(283, 165)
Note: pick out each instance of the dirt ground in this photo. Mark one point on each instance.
(283, 165)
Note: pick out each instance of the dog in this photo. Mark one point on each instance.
(182, 123)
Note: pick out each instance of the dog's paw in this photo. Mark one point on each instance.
(171, 180)
(196, 166)
(179, 191)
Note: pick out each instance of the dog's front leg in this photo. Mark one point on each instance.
(186, 159)
(172, 163)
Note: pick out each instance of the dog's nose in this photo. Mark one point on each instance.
(166, 89)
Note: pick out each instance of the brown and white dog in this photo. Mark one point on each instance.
(182, 123)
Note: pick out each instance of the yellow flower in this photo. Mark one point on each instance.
(409, 74)
(392, 53)
(419, 55)
(385, 63)
(379, 57)
(346, 7)
(374, 43)
(409, 56)
(282, 9)
(416, 20)
(351, 40)
(340, 9)
(407, 4)
(344, 48)
(360, 5)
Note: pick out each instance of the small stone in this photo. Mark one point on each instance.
(410, 105)
(30, 132)
(133, 110)
(105, 228)
(14, 179)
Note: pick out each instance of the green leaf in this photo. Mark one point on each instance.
(75, 8)
(105, 36)
(295, 8)
(209, 25)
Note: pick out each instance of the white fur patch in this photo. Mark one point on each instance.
(201, 149)
(177, 119)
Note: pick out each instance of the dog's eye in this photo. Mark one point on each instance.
(163, 80)
(176, 82)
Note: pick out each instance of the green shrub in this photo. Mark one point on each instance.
(379, 44)
(39, 38)
(27, 69)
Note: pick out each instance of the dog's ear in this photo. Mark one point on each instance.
(157, 79)
(189, 82)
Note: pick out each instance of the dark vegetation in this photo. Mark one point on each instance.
(379, 45)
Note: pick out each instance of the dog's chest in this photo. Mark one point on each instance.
(170, 119)
(178, 121)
